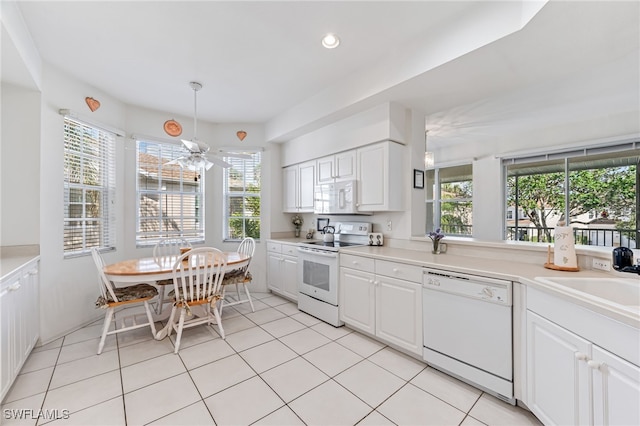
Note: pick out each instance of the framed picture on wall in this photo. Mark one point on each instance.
(321, 223)
(418, 178)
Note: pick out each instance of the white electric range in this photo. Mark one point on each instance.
(318, 270)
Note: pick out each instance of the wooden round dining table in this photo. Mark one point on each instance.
(146, 269)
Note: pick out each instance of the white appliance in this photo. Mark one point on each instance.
(318, 266)
(468, 329)
(336, 198)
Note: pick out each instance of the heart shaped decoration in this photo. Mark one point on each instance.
(241, 135)
(92, 103)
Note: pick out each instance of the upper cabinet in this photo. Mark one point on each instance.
(298, 187)
(335, 168)
(379, 177)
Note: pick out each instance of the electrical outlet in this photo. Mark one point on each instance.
(602, 264)
(388, 224)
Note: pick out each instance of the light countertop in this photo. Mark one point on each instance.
(524, 273)
(13, 258)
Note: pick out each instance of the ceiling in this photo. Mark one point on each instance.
(262, 61)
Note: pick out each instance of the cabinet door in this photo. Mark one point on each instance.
(32, 296)
(306, 186)
(357, 299)
(290, 189)
(345, 166)
(616, 389)
(290, 276)
(274, 274)
(371, 178)
(8, 308)
(557, 374)
(325, 170)
(399, 313)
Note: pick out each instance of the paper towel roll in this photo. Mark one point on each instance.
(564, 248)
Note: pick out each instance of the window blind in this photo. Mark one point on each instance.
(170, 200)
(242, 186)
(89, 188)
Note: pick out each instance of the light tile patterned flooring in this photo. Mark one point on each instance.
(277, 366)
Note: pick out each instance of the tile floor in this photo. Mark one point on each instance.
(277, 366)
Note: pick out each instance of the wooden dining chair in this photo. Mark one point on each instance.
(197, 276)
(165, 253)
(240, 276)
(112, 297)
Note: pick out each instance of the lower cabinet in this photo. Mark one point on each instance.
(573, 381)
(386, 304)
(282, 269)
(19, 321)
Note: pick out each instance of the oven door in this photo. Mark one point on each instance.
(318, 274)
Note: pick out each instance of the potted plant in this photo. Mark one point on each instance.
(436, 236)
(297, 223)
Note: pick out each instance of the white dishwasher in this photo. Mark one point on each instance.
(468, 329)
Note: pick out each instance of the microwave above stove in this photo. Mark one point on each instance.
(337, 198)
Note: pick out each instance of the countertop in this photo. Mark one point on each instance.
(13, 258)
(524, 273)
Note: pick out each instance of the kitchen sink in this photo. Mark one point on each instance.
(622, 291)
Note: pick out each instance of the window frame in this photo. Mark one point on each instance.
(227, 194)
(433, 185)
(565, 161)
(167, 151)
(95, 147)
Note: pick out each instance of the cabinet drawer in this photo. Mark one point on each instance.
(399, 270)
(290, 250)
(274, 247)
(357, 262)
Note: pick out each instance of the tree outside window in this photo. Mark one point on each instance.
(602, 199)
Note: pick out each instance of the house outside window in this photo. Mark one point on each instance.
(89, 187)
(595, 191)
(242, 183)
(170, 199)
(449, 192)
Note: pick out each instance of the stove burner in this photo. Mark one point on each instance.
(333, 244)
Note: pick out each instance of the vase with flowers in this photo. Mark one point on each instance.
(297, 223)
(436, 236)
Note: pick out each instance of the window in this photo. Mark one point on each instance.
(449, 200)
(170, 199)
(595, 191)
(242, 198)
(89, 186)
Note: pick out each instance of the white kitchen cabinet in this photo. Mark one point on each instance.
(298, 187)
(557, 380)
(20, 321)
(381, 175)
(380, 298)
(282, 269)
(574, 381)
(336, 168)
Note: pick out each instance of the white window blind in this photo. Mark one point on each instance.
(89, 188)
(242, 183)
(170, 200)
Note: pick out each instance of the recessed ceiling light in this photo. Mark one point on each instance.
(330, 41)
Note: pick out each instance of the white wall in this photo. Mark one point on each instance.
(20, 165)
(69, 286)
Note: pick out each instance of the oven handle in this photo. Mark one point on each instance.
(317, 253)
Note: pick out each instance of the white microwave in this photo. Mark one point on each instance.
(336, 198)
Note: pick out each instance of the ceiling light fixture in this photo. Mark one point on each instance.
(330, 41)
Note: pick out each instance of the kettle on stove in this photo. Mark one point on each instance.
(622, 257)
(328, 232)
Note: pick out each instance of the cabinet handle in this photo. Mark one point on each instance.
(395, 269)
(355, 262)
(580, 356)
(34, 272)
(14, 287)
(594, 365)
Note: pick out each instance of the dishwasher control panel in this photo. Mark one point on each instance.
(473, 286)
